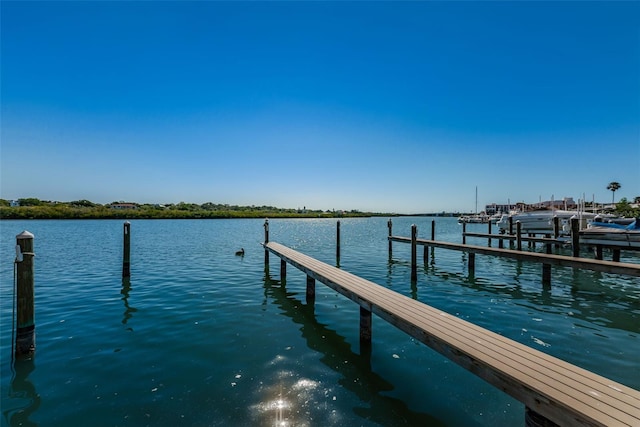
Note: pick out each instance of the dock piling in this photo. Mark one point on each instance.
(283, 272)
(616, 255)
(414, 267)
(126, 253)
(575, 237)
(518, 235)
(472, 264)
(25, 344)
(338, 243)
(365, 325)
(311, 289)
(464, 233)
(389, 226)
(266, 240)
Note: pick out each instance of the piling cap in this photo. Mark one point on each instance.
(25, 235)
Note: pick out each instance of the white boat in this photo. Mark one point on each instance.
(612, 234)
(541, 222)
(474, 219)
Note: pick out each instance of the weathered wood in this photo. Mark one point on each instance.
(575, 237)
(266, 240)
(464, 233)
(311, 289)
(338, 242)
(389, 226)
(25, 344)
(283, 270)
(559, 260)
(472, 264)
(414, 262)
(616, 255)
(556, 390)
(365, 325)
(489, 232)
(518, 235)
(126, 252)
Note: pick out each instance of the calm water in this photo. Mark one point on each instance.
(201, 337)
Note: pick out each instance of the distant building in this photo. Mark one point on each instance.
(565, 203)
(123, 206)
(14, 203)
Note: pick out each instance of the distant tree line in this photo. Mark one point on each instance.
(32, 208)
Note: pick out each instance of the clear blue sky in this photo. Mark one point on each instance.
(376, 106)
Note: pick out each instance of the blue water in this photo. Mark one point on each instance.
(201, 337)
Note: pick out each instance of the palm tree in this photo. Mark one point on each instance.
(613, 186)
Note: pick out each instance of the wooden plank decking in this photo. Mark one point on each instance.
(561, 392)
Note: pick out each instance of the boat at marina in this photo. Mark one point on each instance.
(612, 234)
(480, 218)
(541, 221)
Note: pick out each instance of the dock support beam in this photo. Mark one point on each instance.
(472, 264)
(311, 290)
(126, 253)
(489, 228)
(365, 326)
(389, 226)
(575, 237)
(464, 233)
(266, 240)
(338, 243)
(556, 229)
(616, 255)
(518, 235)
(25, 302)
(414, 266)
(283, 271)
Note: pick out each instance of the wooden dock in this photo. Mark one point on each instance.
(549, 259)
(552, 390)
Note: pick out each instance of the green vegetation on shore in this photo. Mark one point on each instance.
(31, 208)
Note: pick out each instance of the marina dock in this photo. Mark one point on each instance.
(554, 392)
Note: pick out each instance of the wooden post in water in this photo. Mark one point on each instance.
(489, 231)
(414, 267)
(338, 242)
(472, 264)
(311, 290)
(511, 225)
(616, 255)
(433, 235)
(464, 231)
(283, 271)
(556, 229)
(546, 268)
(126, 252)
(389, 225)
(518, 235)
(575, 237)
(598, 251)
(266, 240)
(365, 326)
(25, 301)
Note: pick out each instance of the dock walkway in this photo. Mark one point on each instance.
(552, 390)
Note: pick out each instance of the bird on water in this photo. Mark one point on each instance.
(240, 252)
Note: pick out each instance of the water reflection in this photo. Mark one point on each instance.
(355, 369)
(128, 310)
(25, 399)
